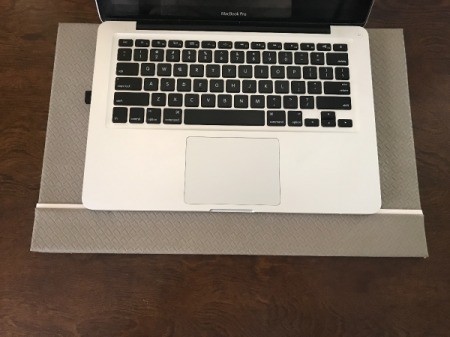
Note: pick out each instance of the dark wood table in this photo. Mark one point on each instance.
(113, 295)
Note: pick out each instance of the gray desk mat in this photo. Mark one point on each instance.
(62, 225)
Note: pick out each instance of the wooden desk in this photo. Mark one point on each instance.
(106, 295)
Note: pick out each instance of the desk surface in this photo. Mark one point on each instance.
(106, 295)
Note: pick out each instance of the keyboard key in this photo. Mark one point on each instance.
(127, 69)
(233, 86)
(224, 117)
(158, 99)
(153, 116)
(172, 116)
(337, 88)
(173, 55)
(345, 123)
(136, 115)
(301, 58)
(159, 43)
(216, 86)
(290, 102)
(241, 45)
(131, 98)
(125, 43)
(295, 118)
(340, 47)
(328, 123)
(151, 84)
(180, 70)
(314, 87)
(212, 70)
(317, 58)
(261, 72)
(142, 43)
(124, 54)
(253, 57)
(120, 115)
(328, 119)
(224, 101)
(189, 55)
(196, 70)
(277, 72)
(324, 47)
(291, 46)
(312, 122)
(157, 55)
(237, 56)
(175, 100)
(265, 87)
(249, 86)
(200, 85)
(140, 55)
(245, 71)
(229, 71)
(221, 56)
(167, 84)
(257, 101)
(258, 45)
(209, 44)
(310, 73)
(241, 101)
(148, 69)
(184, 85)
(269, 57)
(326, 73)
(342, 73)
(276, 118)
(192, 44)
(298, 87)
(176, 44)
(208, 101)
(293, 72)
(337, 59)
(282, 87)
(285, 57)
(225, 44)
(274, 46)
(307, 46)
(273, 102)
(164, 69)
(205, 56)
(128, 83)
(192, 100)
(328, 115)
(334, 103)
(307, 102)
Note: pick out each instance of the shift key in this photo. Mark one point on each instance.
(334, 103)
(131, 98)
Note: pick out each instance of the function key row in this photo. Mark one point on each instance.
(338, 47)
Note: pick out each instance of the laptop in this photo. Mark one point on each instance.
(232, 106)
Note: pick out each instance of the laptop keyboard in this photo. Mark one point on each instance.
(175, 82)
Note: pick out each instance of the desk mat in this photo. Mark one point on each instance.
(62, 225)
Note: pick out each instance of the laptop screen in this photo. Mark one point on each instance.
(351, 12)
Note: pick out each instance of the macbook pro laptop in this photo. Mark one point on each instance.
(232, 106)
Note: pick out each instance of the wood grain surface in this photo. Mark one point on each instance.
(107, 295)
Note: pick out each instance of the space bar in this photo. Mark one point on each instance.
(224, 117)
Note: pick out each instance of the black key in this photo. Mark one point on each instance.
(136, 115)
(127, 69)
(337, 59)
(153, 116)
(229, 71)
(125, 43)
(151, 84)
(291, 46)
(334, 103)
(282, 87)
(328, 115)
(175, 100)
(158, 99)
(221, 56)
(340, 47)
(233, 86)
(328, 123)
(277, 72)
(245, 71)
(241, 45)
(261, 72)
(324, 47)
(148, 69)
(200, 85)
(274, 45)
(342, 73)
(205, 56)
(216, 86)
(276, 118)
(208, 101)
(257, 101)
(249, 86)
(290, 102)
(159, 43)
(212, 70)
(336, 88)
(120, 115)
(317, 58)
(224, 117)
(131, 98)
(273, 102)
(225, 44)
(157, 55)
(258, 45)
(191, 100)
(140, 55)
(180, 70)
(196, 70)
(172, 116)
(314, 87)
(164, 69)
(192, 44)
(167, 84)
(298, 87)
(301, 58)
(310, 73)
(209, 44)
(253, 57)
(241, 101)
(189, 55)
(224, 101)
(173, 55)
(175, 44)
(124, 54)
(265, 87)
(307, 102)
(142, 43)
(295, 118)
(128, 83)
(184, 84)
(312, 122)
(237, 56)
(326, 73)
(293, 72)
(269, 57)
(285, 57)
(345, 123)
(307, 46)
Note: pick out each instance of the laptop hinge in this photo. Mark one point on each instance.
(232, 26)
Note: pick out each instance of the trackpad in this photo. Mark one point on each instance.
(232, 171)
